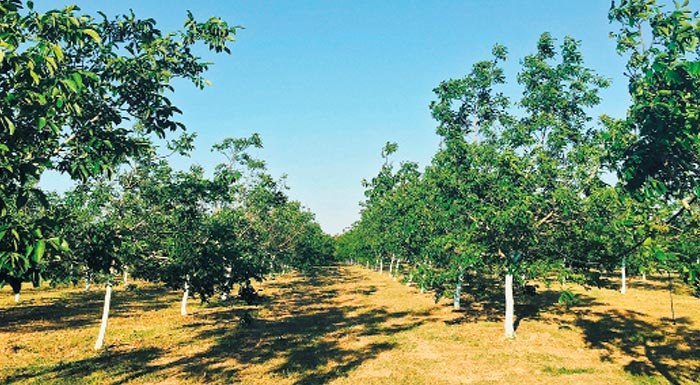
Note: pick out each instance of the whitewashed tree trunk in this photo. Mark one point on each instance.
(185, 294)
(16, 297)
(367, 264)
(457, 299)
(125, 277)
(225, 293)
(391, 265)
(105, 316)
(623, 286)
(510, 307)
(381, 265)
(644, 276)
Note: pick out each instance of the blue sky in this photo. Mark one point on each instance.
(327, 83)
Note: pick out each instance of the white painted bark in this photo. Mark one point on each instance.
(16, 297)
(185, 294)
(623, 286)
(563, 277)
(367, 264)
(105, 315)
(391, 265)
(225, 293)
(381, 265)
(457, 299)
(644, 276)
(125, 277)
(510, 307)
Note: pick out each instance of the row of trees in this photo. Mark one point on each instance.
(522, 188)
(88, 98)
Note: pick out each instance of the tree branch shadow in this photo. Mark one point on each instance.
(671, 351)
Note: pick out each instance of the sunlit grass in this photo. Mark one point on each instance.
(348, 325)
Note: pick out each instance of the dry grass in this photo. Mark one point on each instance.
(346, 325)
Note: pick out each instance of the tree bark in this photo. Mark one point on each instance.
(623, 286)
(225, 293)
(457, 299)
(185, 294)
(16, 297)
(105, 315)
(126, 276)
(381, 265)
(510, 307)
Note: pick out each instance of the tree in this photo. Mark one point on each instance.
(656, 147)
(80, 95)
(503, 192)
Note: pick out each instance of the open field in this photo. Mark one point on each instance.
(347, 325)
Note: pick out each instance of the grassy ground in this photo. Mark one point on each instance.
(347, 325)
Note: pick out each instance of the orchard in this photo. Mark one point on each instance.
(533, 199)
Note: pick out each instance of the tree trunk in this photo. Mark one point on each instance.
(457, 299)
(88, 281)
(391, 265)
(510, 307)
(16, 285)
(126, 276)
(563, 277)
(225, 293)
(644, 276)
(105, 315)
(623, 287)
(185, 294)
(381, 265)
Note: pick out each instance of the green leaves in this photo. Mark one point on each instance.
(662, 121)
(93, 35)
(568, 299)
(38, 251)
(58, 115)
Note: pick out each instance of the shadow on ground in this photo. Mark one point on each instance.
(312, 338)
(78, 309)
(664, 348)
(122, 367)
(483, 301)
(307, 336)
(669, 350)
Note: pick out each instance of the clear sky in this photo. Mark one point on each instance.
(327, 83)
